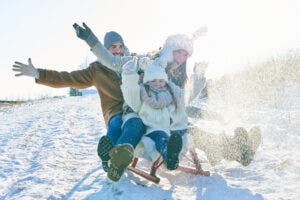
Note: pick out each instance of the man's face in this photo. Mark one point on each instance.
(180, 56)
(117, 49)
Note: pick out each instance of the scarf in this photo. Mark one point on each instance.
(159, 97)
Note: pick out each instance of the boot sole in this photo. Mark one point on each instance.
(243, 140)
(121, 157)
(255, 138)
(104, 146)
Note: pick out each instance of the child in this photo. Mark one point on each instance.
(160, 105)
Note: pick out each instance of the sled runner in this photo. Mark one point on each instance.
(146, 150)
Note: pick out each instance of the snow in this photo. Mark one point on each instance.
(48, 151)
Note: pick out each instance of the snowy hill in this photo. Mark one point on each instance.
(48, 151)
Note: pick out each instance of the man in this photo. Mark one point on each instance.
(107, 83)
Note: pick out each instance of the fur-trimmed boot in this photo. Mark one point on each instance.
(242, 146)
(255, 137)
(104, 146)
(121, 156)
(207, 142)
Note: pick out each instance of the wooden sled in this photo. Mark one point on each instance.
(151, 176)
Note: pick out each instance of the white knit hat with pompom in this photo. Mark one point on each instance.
(155, 71)
(180, 41)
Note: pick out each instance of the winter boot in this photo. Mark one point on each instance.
(250, 145)
(239, 148)
(174, 147)
(121, 156)
(104, 146)
(209, 143)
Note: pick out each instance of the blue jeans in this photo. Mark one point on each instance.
(114, 130)
(133, 130)
(161, 139)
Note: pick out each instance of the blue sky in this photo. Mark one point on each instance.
(239, 32)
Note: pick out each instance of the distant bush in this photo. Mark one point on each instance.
(256, 83)
(75, 92)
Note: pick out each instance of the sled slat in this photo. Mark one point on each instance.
(144, 174)
(193, 171)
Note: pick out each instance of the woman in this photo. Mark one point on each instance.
(243, 145)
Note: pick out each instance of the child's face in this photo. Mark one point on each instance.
(158, 83)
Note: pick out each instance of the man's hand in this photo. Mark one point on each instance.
(86, 34)
(25, 69)
(82, 33)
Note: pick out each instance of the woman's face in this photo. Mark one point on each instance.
(158, 83)
(180, 56)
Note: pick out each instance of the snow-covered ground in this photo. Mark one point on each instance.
(48, 151)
